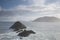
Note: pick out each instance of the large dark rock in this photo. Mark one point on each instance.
(26, 33)
(18, 26)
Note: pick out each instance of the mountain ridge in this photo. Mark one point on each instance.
(47, 19)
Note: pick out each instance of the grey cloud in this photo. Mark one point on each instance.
(51, 1)
(16, 13)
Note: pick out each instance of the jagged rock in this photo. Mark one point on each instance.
(25, 33)
(18, 26)
(21, 28)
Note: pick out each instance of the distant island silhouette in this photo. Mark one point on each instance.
(20, 28)
(47, 19)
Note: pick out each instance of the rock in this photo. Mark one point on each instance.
(26, 33)
(17, 26)
(21, 28)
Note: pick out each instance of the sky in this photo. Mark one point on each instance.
(28, 10)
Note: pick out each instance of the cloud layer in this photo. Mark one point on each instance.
(37, 8)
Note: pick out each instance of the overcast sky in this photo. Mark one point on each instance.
(26, 10)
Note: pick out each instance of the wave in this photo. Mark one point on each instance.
(37, 36)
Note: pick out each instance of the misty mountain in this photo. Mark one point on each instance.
(47, 19)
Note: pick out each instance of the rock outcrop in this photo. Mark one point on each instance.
(25, 33)
(18, 26)
(21, 28)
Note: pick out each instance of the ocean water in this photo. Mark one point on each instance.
(44, 31)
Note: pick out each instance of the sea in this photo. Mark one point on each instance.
(44, 31)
